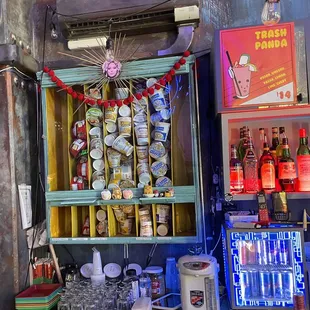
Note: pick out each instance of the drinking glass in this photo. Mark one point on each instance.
(109, 303)
(122, 304)
(76, 306)
(63, 305)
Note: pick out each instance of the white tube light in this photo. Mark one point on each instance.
(86, 43)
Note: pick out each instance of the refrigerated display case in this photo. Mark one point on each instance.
(72, 214)
(264, 268)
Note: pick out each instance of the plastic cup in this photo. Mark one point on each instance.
(143, 153)
(95, 132)
(98, 183)
(114, 183)
(161, 131)
(124, 111)
(162, 214)
(159, 169)
(144, 173)
(140, 118)
(94, 117)
(121, 93)
(114, 158)
(158, 98)
(157, 150)
(155, 117)
(126, 226)
(124, 126)
(122, 145)
(96, 148)
(165, 159)
(122, 173)
(110, 114)
(111, 127)
(98, 165)
(109, 139)
(141, 131)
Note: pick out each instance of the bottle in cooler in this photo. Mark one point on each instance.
(261, 252)
(265, 284)
(245, 284)
(236, 171)
(283, 252)
(277, 285)
(288, 284)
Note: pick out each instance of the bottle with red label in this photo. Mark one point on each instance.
(287, 170)
(303, 162)
(267, 169)
(236, 172)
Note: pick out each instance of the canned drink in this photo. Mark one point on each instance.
(242, 252)
(277, 284)
(245, 284)
(251, 252)
(261, 252)
(264, 284)
(254, 283)
(288, 284)
(273, 252)
(283, 252)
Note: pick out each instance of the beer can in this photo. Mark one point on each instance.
(272, 252)
(264, 284)
(254, 283)
(242, 252)
(277, 285)
(283, 252)
(245, 284)
(288, 284)
(251, 253)
(299, 301)
(261, 252)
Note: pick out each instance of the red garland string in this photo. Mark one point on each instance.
(106, 103)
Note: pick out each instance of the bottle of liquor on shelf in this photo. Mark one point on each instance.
(287, 170)
(250, 164)
(261, 141)
(273, 149)
(267, 170)
(240, 152)
(303, 162)
(279, 149)
(246, 134)
(236, 172)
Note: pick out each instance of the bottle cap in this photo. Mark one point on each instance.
(282, 129)
(285, 141)
(131, 272)
(170, 259)
(154, 269)
(302, 133)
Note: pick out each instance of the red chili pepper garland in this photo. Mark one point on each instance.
(106, 103)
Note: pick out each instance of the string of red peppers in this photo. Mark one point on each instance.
(106, 103)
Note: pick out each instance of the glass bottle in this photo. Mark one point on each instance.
(303, 162)
(287, 170)
(279, 147)
(261, 141)
(273, 149)
(236, 172)
(267, 169)
(250, 164)
(145, 285)
(240, 152)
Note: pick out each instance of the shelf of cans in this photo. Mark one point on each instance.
(92, 150)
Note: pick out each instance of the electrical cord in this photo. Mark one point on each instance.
(217, 243)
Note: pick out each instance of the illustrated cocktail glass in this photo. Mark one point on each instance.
(243, 78)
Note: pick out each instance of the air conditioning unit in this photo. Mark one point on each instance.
(82, 23)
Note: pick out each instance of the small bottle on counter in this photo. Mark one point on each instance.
(157, 280)
(131, 277)
(172, 276)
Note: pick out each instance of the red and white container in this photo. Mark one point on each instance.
(78, 183)
(79, 130)
(77, 146)
(82, 169)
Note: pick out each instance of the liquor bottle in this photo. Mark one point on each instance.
(267, 169)
(250, 164)
(287, 170)
(244, 143)
(240, 149)
(303, 162)
(279, 147)
(261, 141)
(236, 172)
(273, 149)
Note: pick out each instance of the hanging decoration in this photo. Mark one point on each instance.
(107, 67)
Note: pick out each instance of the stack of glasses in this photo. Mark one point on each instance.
(110, 296)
